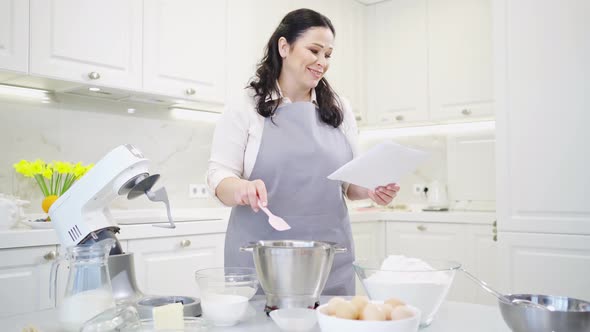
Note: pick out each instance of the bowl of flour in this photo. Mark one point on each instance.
(422, 283)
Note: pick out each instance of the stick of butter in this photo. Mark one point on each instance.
(168, 317)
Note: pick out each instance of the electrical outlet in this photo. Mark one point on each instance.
(198, 191)
(418, 189)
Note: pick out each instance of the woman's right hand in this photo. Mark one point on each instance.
(249, 192)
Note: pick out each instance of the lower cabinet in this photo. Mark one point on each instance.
(24, 279)
(167, 265)
(471, 245)
(552, 264)
(369, 242)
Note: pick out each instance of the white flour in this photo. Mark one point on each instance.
(78, 308)
(412, 281)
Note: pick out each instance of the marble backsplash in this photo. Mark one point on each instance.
(84, 129)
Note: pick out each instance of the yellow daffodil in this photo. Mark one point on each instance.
(53, 178)
(24, 167)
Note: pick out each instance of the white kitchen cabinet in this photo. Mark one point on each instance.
(14, 35)
(481, 260)
(250, 24)
(397, 62)
(429, 60)
(460, 59)
(469, 244)
(545, 264)
(85, 41)
(369, 243)
(346, 65)
(24, 279)
(184, 53)
(541, 80)
(542, 115)
(167, 265)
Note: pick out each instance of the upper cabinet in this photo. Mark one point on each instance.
(95, 42)
(460, 58)
(397, 62)
(14, 35)
(184, 48)
(429, 60)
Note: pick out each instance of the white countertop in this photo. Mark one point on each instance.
(137, 224)
(452, 317)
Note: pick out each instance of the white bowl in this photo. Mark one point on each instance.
(335, 324)
(294, 319)
(224, 309)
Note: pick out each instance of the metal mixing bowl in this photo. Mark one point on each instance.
(293, 273)
(565, 314)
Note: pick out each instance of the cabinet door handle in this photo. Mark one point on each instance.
(93, 75)
(185, 243)
(399, 118)
(466, 111)
(495, 238)
(50, 255)
(190, 91)
(421, 228)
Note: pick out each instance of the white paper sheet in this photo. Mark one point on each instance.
(385, 163)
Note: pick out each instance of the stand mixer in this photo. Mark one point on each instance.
(82, 216)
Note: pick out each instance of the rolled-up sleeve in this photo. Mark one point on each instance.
(228, 146)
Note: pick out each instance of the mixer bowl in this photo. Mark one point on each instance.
(292, 273)
(564, 314)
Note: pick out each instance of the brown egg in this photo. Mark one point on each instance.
(394, 302)
(332, 305)
(325, 311)
(401, 312)
(387, 309)
(372, 312)
(359, 302)
(345, 310)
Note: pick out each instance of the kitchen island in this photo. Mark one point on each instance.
(452, 317)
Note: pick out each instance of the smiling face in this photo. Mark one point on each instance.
(306, 60)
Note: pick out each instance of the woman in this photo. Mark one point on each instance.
(277, 145)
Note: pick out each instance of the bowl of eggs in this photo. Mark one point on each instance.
(360, 315)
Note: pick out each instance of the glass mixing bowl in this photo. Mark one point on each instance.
(423, 284)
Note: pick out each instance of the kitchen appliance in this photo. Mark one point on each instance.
(436, 196)
(292, 273)
(81, 216)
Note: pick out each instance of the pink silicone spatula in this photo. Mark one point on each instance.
(277, 223)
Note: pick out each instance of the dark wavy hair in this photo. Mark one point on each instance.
(264, 83)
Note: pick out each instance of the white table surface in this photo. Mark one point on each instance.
(452, 317)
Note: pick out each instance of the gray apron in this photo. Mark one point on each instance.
(297, 152)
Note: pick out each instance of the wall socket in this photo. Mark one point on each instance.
(418, 189)
(198, 191)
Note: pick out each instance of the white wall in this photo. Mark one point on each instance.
(83, 129)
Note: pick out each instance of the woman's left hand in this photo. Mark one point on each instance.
(383, 195)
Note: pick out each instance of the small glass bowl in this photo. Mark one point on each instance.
(241, 281)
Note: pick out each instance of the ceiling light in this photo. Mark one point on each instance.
(94, 89)
(194, 115)
(18, 91)
(441, 129)
(131, 110)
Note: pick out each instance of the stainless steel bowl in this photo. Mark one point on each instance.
(564, 314)
(292, 273)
